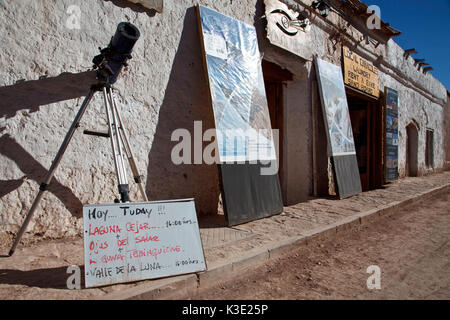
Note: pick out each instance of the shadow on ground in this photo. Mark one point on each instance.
(49, 278)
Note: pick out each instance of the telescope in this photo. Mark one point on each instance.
(114, 57)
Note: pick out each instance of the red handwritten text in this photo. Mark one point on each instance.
(103, 230)
(112, 258)
(153, 252)
(146, 238)
(137, 226)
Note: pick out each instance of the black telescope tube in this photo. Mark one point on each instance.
(125, 37)
(120, 48)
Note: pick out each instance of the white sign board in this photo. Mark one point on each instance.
(126, 242)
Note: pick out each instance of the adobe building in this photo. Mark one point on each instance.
(47, 49)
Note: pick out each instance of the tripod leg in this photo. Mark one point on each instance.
(126, 143)
(116, 145)
(51, 171)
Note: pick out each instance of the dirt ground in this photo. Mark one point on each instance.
(411, 249)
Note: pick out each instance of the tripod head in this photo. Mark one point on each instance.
(111, 60)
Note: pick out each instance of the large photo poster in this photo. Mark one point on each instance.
(334, 103)
(341, 146)
(391, 172)
(233, 64)
(241, 115)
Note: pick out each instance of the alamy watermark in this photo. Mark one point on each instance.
(374, 280)
(73, 22)
(74, 280)
(374, 20)
(251, 146)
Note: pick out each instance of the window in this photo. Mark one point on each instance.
(429, 154)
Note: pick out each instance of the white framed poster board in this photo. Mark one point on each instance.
(335, 109)
(126, 242)
(236, 83)
(341, 145)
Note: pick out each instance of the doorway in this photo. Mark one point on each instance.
(274, 79)
(366, 118)
(412, 146)
(429, 149)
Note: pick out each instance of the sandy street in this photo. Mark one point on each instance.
(411, 250)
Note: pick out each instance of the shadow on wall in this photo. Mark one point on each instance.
(32, 95)
(186, 100)
(35, 93)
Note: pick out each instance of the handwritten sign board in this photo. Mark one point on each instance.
(126, 242)
(360, 73)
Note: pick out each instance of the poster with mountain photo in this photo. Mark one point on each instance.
(248, 164)
(236, 82)
(341, 145)
(336, 109)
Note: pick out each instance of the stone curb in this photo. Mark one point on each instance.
(181, 287)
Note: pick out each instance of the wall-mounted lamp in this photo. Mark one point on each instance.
(301, 22)
(322, 7)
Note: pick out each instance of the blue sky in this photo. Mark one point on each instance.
(425, 26)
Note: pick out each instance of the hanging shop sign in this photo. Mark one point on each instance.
(133, 241)
(287, 29)
(360, 73)
(337, 121)
(391, 152)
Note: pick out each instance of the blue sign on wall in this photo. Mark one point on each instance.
(391, 151)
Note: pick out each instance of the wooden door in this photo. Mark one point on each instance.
(360, 114)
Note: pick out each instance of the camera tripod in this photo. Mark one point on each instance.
(120, 146)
